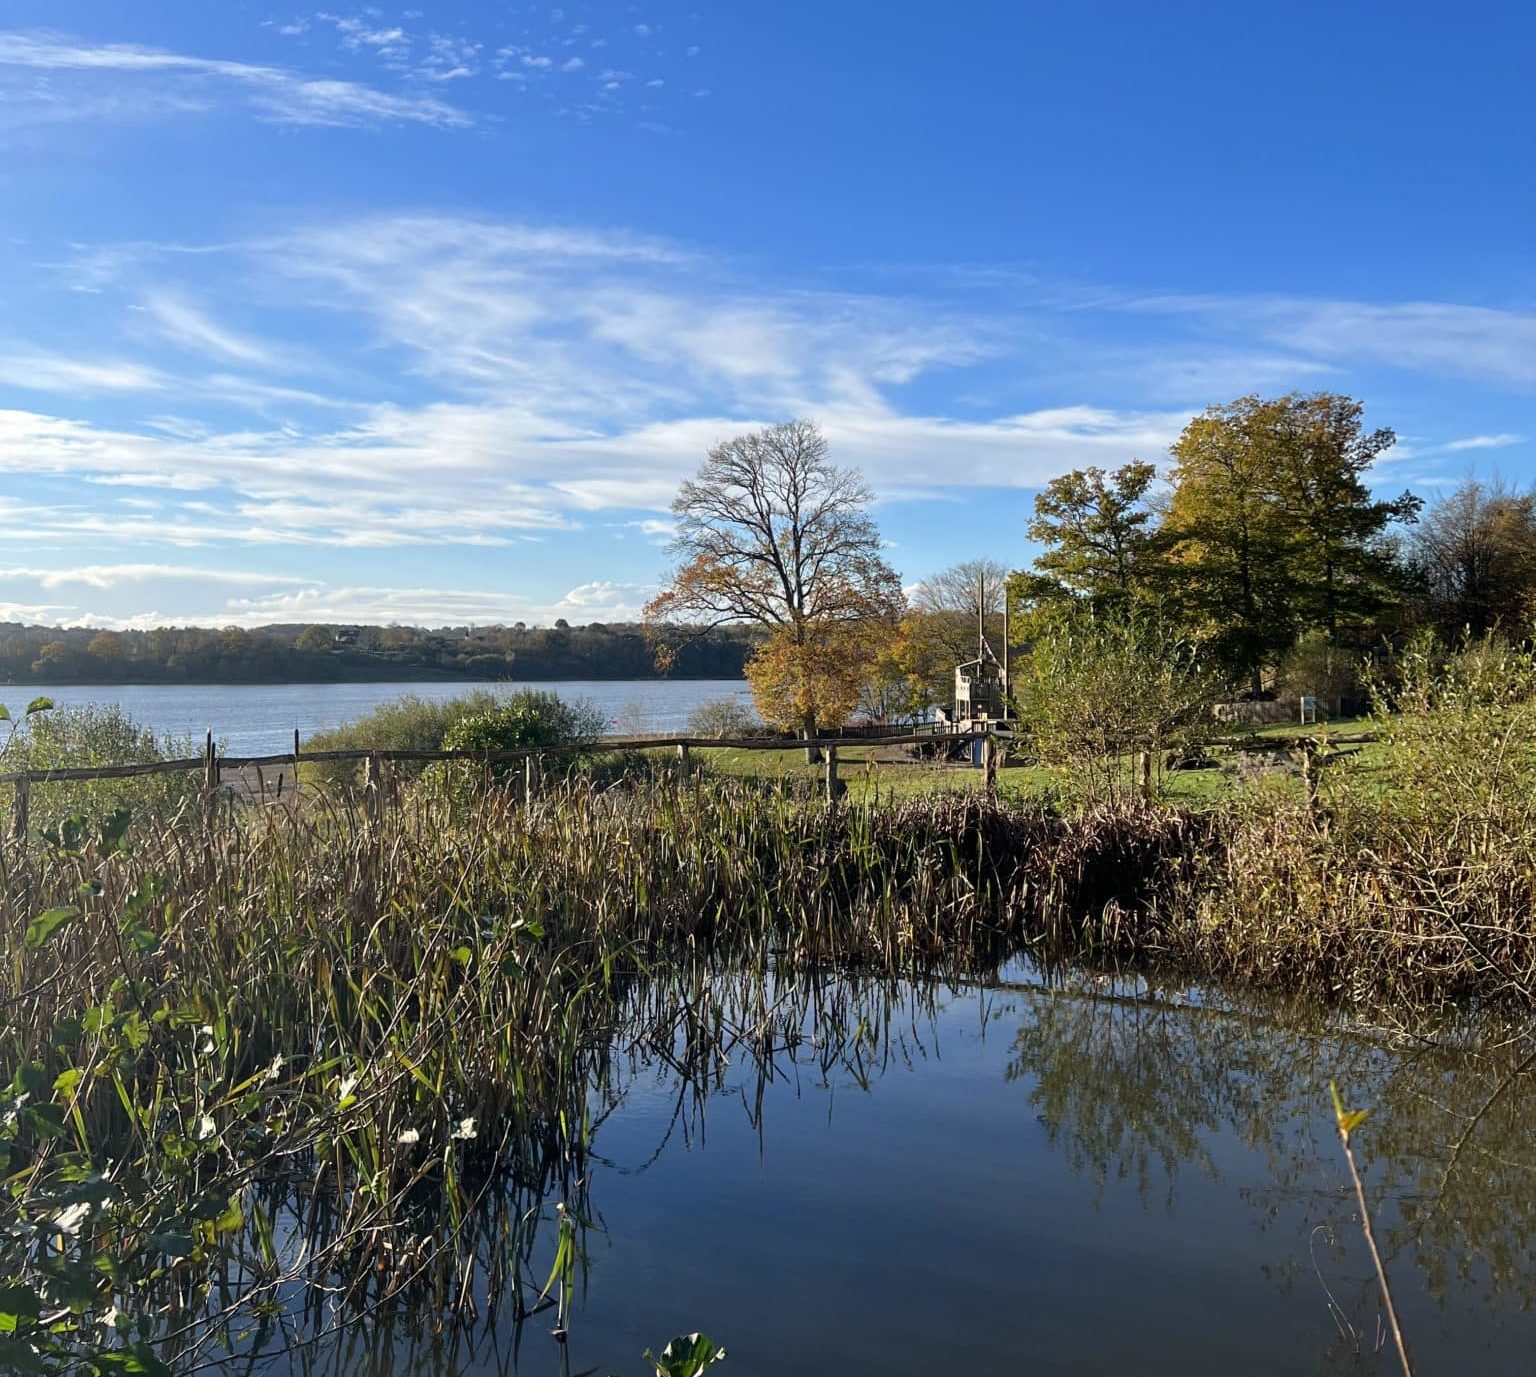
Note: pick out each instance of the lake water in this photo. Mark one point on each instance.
(259, 719)
(1078, 1178)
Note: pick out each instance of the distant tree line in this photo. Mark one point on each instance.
(321, 654)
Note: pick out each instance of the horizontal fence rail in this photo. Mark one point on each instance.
(81, 773)
(361, 755)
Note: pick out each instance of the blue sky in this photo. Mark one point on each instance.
(421, 314)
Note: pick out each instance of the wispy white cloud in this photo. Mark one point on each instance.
(449, 58)
(655, 529)
(104, 576)
(55, 373)
(1423, 336)
(509, 381)
(185, 324)
(591, 602)
(36, 613)
(1483, 442)
(275, 94)
(278, 598)
(362, 33)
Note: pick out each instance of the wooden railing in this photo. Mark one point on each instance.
(213, 765)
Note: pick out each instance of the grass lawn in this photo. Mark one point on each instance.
(868, 778)
(864, 776)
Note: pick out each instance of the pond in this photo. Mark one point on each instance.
(1055, 1176)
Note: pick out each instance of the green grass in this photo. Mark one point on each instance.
(868, 779)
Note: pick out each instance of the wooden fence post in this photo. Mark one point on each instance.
(989, 761)
(1144, 773)
(684, 763)
(21, 803)
(1310, 764)
(829, 764)
(530, 779)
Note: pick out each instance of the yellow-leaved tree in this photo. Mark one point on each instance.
(770, 531)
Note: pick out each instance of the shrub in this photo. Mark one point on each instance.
(1315, 666)
(409, 723)
(1095, 689)
(100, 734)
(1416, 871)
(1460, 742)
(528, 719)
(723, 717)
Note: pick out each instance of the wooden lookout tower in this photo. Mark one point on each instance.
(981, 685)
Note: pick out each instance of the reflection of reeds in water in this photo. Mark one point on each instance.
(330, 1072)
(318, 1079)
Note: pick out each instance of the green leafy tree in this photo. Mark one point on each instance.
(1271, 527)
(1343, 571)
(314, 639)
(1228, 538)
(1100, 534)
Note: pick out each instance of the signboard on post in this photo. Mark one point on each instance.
(1308, 705)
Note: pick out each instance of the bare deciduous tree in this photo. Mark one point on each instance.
(1475, 556)
(771, 531)
(952, 599)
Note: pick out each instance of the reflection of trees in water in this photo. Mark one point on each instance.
(1139, 1087)
(738, 1035)
(1129, 1086)
(1135, 1086)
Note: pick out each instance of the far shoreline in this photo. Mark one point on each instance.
(375, 679)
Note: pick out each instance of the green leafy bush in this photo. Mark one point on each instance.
(100, 734)
(1094, 690)
(409, 723)
(529, 719)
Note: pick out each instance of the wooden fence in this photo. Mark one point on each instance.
(213, 765)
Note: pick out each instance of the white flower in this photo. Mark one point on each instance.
(205, 1128)
(465, 1129)
(347, 1086)
(409, 1135)
(71, 1217)
(205, 1040)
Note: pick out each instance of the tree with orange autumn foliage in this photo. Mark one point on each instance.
(771, 531)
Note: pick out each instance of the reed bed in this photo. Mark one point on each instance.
(298, 1066)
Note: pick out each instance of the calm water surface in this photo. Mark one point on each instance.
(258, 719)
(1078, 1179)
